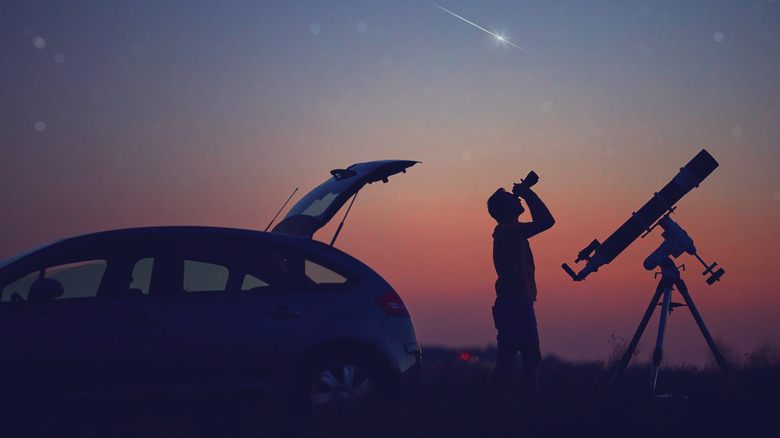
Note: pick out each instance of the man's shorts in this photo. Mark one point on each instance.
(515, 321)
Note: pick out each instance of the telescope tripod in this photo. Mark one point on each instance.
(670, 277)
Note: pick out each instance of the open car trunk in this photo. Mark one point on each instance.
(315, 209)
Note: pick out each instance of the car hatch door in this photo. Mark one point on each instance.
(315, 209)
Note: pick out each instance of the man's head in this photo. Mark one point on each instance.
(504, 206)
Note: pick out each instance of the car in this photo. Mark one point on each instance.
(175, 309)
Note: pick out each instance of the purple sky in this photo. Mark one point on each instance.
(132, 113)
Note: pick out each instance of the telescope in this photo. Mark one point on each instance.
(598, 254)
(656, 212)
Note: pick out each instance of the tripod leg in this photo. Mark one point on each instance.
(724, 366)
(621, 365)
(659, 341)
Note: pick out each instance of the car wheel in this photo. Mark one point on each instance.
(345, 387)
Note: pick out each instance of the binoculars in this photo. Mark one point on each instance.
(531, 179)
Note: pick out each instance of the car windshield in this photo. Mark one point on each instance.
(318, 200)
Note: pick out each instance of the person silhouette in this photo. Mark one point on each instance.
(513, 310)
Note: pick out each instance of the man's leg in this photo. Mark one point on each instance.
(506, 344)
(529, 378)
(532, 355)
(506, 352)
(501, 404)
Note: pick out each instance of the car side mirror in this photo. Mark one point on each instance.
(44, 290)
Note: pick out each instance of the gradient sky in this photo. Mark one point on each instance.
(133, 113)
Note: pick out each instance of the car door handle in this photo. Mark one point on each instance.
(284, 312)
(140, 318)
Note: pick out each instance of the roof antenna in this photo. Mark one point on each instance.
(338, 230)
(280, 210)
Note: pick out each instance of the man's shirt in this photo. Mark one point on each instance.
(513, 260)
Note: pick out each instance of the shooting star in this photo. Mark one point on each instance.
(498, 37)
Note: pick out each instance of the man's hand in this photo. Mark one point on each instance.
(541, 217)
(522, 190)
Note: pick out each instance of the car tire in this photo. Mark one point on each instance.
(345, 388)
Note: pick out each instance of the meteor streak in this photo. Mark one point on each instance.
(498, 37)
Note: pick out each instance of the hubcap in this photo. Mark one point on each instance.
(340, 389)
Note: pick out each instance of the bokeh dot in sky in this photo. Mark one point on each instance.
(718, 37)
(315, 29)
(59, 58)
(38, 42)
(361, 27)
(40, 126)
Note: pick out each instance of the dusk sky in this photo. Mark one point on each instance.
(134, 113)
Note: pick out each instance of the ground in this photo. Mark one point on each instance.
(452, 401)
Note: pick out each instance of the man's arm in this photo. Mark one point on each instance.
(541, 217)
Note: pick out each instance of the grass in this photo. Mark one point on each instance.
(452, 401)
(572, 401)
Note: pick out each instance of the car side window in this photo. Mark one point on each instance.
(203, 277)
(251, 282)
(78, 280)
(228, 265)
(142, 275)
(67, 281)
(320, 275)
(19, 287)
(267, 270)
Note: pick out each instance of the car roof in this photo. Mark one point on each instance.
(177, 231)
(172, 230)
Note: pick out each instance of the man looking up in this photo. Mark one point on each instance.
(513, 311)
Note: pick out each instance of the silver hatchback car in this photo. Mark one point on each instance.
(170, 309)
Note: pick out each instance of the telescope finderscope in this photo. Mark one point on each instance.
(598, 254)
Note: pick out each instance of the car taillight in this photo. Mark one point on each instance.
(392, 304)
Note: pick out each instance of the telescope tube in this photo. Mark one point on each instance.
(689, 177)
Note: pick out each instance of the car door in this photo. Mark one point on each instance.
(236, 314)
(74, 320)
